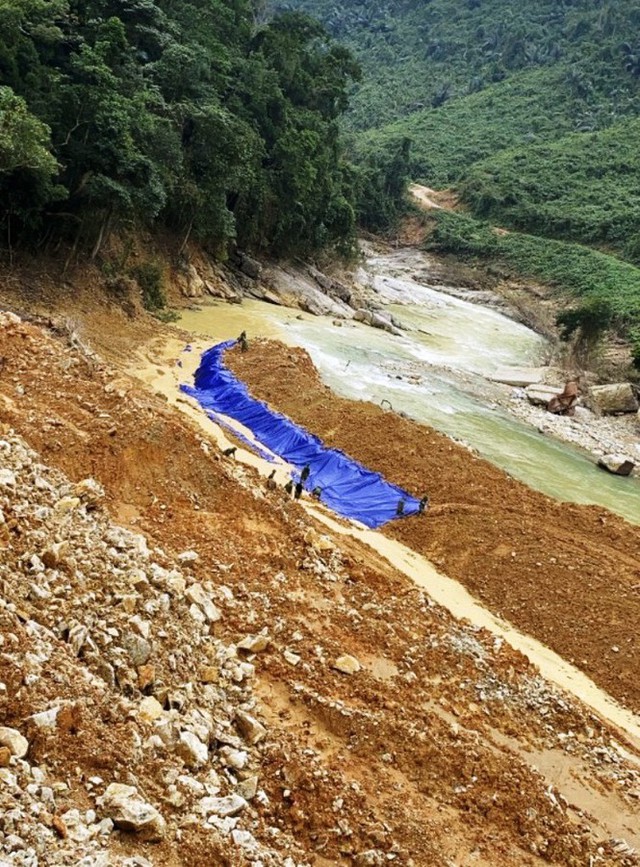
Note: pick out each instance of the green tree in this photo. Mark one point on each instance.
(27, 166)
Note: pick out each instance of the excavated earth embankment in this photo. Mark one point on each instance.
(567, 574)
(174, 654)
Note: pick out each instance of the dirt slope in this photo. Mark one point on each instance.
(446, 747)
(567, 574)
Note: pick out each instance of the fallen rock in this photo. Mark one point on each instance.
(7, 478)
(90, 492)
(149, 709)
(137, 647)
(232, 758)
(198, 595)
(123, 805)
(54, 556)
(254, 643)
(347, 664)
(540, 395)
(46, 719)
(146, 677)
(14, 741)
(209, 674)
(250, 728)
(291, 657)
(67, 504)
(192, 750)
(620, 465)
(519, 376)
(248, 788)
(614, 398)
(230, 805)
(188, 556)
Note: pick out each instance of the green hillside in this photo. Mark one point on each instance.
(192, 116)
(531, 111)
(483, 87)
(419, 55)
(582, 187)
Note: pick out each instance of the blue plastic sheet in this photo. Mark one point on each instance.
(346, 486)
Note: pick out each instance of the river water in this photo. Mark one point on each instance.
(437, 373)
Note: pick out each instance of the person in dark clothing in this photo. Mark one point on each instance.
(230, 452)
(316, 492)
(289, 487)
(244, 343)
(298, 490)
(271, 482)
(400, 507)
(423, 504)
(304, 475)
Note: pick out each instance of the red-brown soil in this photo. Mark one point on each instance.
(567, 574)
(428, 755)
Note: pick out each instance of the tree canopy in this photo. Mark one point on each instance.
(191, 114)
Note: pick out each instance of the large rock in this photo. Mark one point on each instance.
(519, 376)
(190, 282)
(249, 727)
(618, 397)
(192, 750)
(251, 267)
(540, 395)
(199, 596)
(347, 664)
(129, 812)
(293, 287)
(621, 465)
(14, 741)
(230, 805)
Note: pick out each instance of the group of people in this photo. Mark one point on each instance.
(296, 488)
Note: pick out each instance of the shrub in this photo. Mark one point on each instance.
(150, 280)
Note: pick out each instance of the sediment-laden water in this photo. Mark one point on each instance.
(436, 372)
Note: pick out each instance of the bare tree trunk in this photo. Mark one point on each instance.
(186, 238)
(101, 234)
(73, 249)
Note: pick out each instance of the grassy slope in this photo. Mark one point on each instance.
(409, 49)
(583, 187)
(448, 141)
(573, 268)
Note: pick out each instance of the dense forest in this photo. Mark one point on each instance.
(530, 110)
(469, 81)
(196, 115)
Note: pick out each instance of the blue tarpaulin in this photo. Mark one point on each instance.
(346, 486)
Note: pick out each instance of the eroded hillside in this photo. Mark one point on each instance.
(195, 655)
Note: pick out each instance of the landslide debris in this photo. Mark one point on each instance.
(169, 694)
(567, 574)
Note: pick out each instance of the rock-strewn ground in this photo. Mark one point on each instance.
(172, 687)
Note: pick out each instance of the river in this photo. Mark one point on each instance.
(436, 372)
